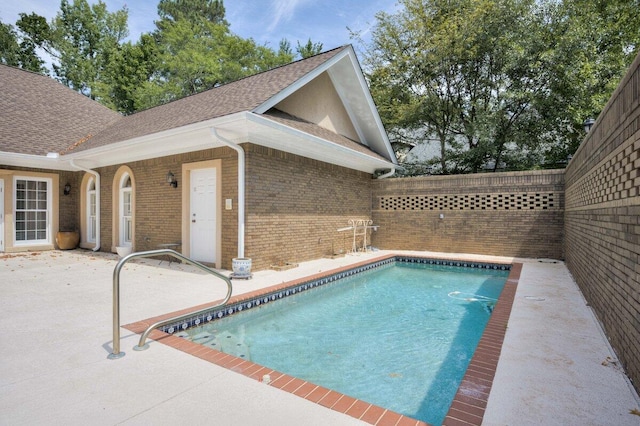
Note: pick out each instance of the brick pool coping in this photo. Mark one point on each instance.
(468, 405)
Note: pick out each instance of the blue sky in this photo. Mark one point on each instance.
(266, 21)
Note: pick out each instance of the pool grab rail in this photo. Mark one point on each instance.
(116, 298)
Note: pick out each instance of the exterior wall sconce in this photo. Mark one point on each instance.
(67, 189)
(588, 124)
(171, 180)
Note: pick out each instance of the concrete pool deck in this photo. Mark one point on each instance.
(56, 310)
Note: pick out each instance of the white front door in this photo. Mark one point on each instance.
(202, 215)
(1, 215)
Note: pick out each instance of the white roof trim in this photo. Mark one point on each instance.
(244, 126)
(192, 137)
(372, 106)
(347, 78)
(286, 138)
(289, 90)
(355, 97)
(33, 161)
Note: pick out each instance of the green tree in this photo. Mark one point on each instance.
(128, 67)
(83, 40)
(488, 79)
(285, 48)
(196, 52)
(594, 43)
(171, 11)
(308, 49)
(8, 45)
(17, 48)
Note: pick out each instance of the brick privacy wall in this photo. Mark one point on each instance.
(507, 214)
(158, 206)
(602, 220)
(296, 205)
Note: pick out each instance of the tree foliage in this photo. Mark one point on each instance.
(128, 68)
(171, 11)
(497, 83)
(594, 43)
(18, 50)
(308, 49)
(191, 50)
(83, 39)
(196, 51)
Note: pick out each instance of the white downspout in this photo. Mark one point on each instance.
(97, 176)
(241, 188)
(388, 174)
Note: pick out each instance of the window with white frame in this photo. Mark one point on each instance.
(126, 225)
(32, 210)
(91, 211)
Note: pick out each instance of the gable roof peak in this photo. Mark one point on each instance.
(248, 77)
(237, 96)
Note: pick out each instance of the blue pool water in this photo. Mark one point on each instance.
(400, 336)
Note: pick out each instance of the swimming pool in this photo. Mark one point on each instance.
(350, 278)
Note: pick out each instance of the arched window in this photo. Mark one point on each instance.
(126, 208)
(91, 211)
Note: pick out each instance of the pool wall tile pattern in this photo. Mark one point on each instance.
(244, 302)
(470, 401)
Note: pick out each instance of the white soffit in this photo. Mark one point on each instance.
(354, 92)
(181, 140)
(266, 132)
(33, 161)
(347, 77)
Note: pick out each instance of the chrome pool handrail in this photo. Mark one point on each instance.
(116, 298)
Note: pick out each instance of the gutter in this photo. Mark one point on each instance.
(343, 156)
(97, 176)
(241, 187)
(388, 174)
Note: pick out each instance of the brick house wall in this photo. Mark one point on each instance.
(508, 214)
(66, 205)
(158, 206)
(602, 220)
(296, 205)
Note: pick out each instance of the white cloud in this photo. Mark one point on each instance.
(283, 10)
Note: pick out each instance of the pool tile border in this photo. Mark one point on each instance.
(471, 398)
(470, 402)
(251, 301)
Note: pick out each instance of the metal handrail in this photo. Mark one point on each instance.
(116, 298)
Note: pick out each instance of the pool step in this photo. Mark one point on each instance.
(224, 341)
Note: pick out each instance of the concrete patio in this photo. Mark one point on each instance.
(556, 367)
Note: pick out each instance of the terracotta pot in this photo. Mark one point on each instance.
(67, 240)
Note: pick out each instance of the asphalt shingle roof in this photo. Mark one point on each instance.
(241, 95)
(39, 115)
